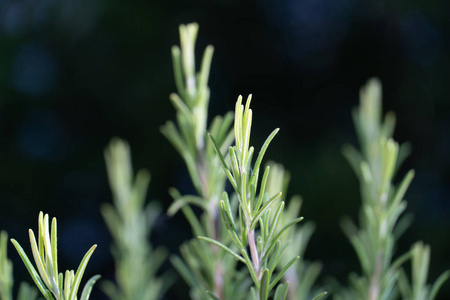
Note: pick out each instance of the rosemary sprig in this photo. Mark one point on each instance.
(208, 272)
(256, 235)
(130, 220)
(54, 285)
(382, 206)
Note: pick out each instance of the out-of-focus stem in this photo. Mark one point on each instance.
(214, 220)
(292, 278)
(374, 289)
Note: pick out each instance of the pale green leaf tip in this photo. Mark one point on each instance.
(175, 49)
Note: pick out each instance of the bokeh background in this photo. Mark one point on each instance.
(74, 73)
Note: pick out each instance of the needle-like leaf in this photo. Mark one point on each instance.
(88, 287)
(238, 257)
(34, 274)
(80, 272)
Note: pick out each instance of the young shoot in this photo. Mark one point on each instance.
(381, 222)
(52, 284)
(130, 220)
(256, 235)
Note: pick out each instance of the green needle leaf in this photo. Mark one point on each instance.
(400, 193)
(263, 151)
(80, 272)
(212, 296)
(263, 187)
(223, 247)
(438, 283)
(181, 107)
(217, 148)
(320, 296)
(288, 225)
(176, 59)
(276, 220)
(263, 210)
(281, 273)
(281, 291)
(184, 271)
(41, 238)
(205, 67)
(38, 260)
(34, 274)
(54, 253)
(186, 200)
(265, 285)
(88, 287)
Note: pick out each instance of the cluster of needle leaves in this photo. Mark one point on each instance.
(130, 221)
(52, 284)
(303, 274)
(208, 271)
(255, 232)
(381, 222)
(205, 267)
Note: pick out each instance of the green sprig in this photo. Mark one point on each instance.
(130, 221)
(256, 247)
(209, 273)
(382, 207)
(53, 285)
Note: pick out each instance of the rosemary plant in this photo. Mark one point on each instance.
(303, 275)
(205, 269)
(382, 206)
(257, 234)
(253, 242)
(130, 222)
(54, 285)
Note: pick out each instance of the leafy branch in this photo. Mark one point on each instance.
(130, 221)
(302, 277)
(259, 250)
(383, 203)
(203, 267)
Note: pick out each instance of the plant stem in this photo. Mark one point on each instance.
(201, 169)
(254, 252)
(218, 268)
(374, 289)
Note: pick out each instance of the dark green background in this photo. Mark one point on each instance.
(75, 73)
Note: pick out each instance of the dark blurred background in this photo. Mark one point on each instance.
(74, 73)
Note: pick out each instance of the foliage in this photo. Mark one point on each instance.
(382, 205)
(419, 289)
(54, 285)
(202, 266)
(255, 208)
(26, 292)
(130, 222)
(303, 275)
(252, 239)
